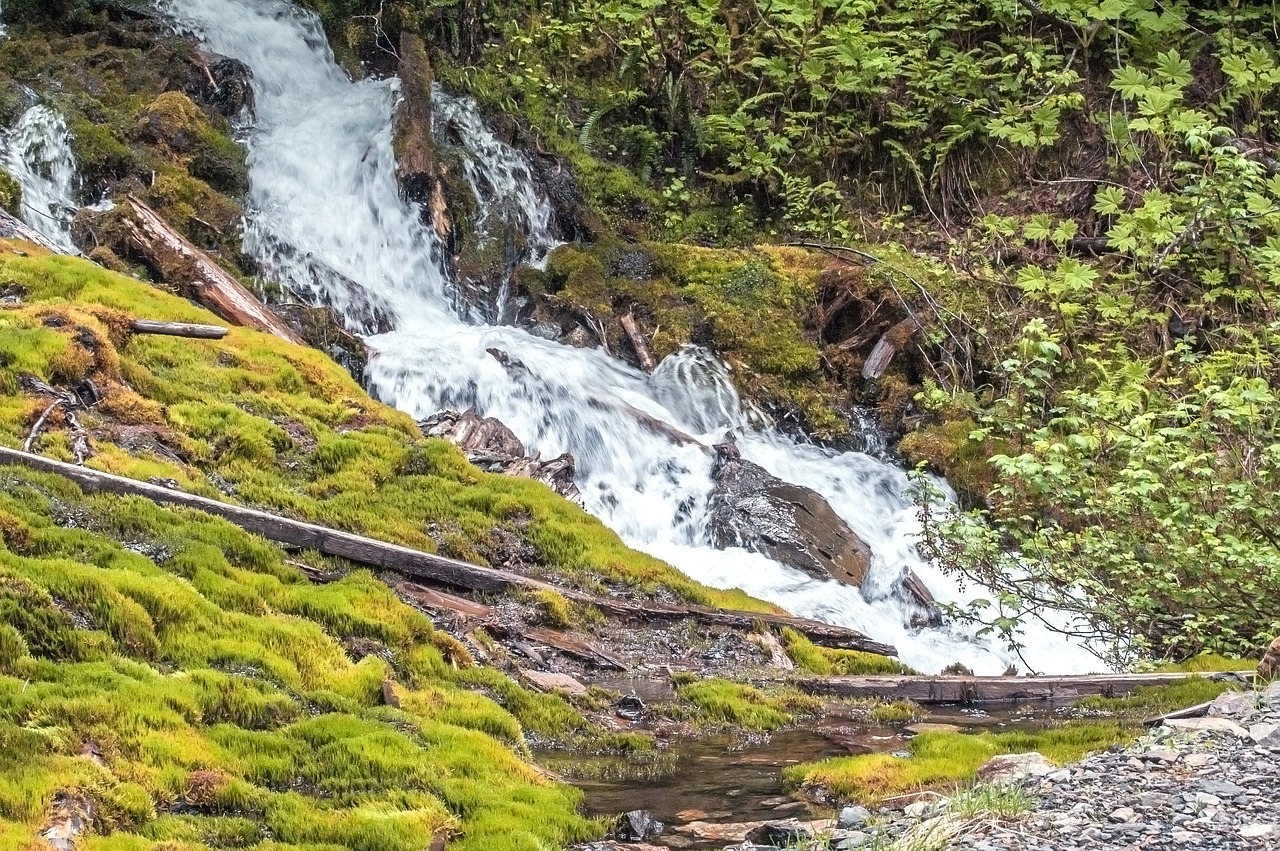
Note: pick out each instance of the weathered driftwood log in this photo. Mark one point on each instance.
(178, 329)
(887, 346)
(171, 256)
(921, 689)
(638, 342)
(419, 565)
(12, 227)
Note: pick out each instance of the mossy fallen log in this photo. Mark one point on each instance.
(176, 261)
(420, 565)
(934, 690)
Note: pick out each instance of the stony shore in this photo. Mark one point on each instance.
(1201, 782)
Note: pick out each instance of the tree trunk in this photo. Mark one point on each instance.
(887, 346)
(176, 261)
(929, 690)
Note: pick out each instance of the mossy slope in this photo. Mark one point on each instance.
(282, 428)
(202, 692)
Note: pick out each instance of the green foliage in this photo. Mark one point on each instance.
(1156, 700)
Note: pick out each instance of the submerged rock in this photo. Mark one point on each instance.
(494, 448)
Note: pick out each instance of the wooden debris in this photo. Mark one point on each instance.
(433, 599)
(178, 329)
(887, 346)
(550, 681)
(567, 644)
(176, 261)
(638, 342)
(769, 643)
(930, 690)
(419, 565)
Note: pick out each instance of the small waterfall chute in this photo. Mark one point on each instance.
(37, 153)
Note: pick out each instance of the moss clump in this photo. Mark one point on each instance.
(10, 194)
(944, 760)
(895, 712)
(749, 305)
(718, 702)
(827, 662)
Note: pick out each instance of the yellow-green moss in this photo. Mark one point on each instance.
(945, 760)
(211, 674)
(718, 702)
(827, 662)
(1154, 700)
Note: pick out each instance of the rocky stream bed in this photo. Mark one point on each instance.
(1199, 782)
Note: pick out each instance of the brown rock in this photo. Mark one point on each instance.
(1009, 767)
(494, 448)
(1269, 667)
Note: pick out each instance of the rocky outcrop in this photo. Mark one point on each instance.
(794, 525)
(494, 448)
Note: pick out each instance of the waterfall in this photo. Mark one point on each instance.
(37, 152)
(325, 211)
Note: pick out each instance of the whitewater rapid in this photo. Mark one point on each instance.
(326, 220)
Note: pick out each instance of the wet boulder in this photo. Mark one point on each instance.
(637, 826)
(793, 525)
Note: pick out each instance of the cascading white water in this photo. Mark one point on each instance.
(326, 210)
(37, 152)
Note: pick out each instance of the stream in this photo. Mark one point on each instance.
(325, 222)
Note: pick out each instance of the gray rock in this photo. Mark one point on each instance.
(1265, 734)
(852, 817)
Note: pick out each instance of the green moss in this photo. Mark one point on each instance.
(945, 760)
(827, 662)
(894, 713)
(1154, 700)
(718, 702)
(288, 430)
(10, 194)
(190, 698)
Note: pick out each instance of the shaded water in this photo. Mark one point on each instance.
(327, 221)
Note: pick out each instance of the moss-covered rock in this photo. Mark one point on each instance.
(10, 194)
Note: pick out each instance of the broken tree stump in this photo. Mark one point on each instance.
(176, 261)
(420, 565)
(887, 346)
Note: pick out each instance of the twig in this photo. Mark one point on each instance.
(39, 425)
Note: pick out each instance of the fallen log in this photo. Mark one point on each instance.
(638, 342)
(178, 329)
(176, 261)
(567, 644)
(419, 565)
(930, 690)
